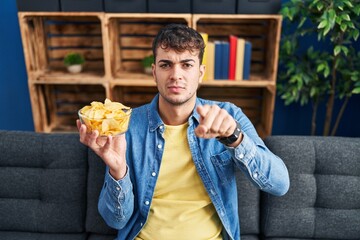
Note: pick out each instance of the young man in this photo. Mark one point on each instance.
(171, 176)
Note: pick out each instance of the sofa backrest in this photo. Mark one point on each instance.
(324, 196)
(43, 182)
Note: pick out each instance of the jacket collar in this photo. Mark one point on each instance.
(155, 120)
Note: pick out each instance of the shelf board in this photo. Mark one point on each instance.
(135, 79)
(237, 16)
(149, 15)
(236, 83)
(61, 77)
(212, 83)
(60, 14)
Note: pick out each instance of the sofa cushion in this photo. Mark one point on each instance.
(323, 199)
(96, 173)
(43, 182)
(249, 207)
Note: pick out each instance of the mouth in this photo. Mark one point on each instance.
(176, 88)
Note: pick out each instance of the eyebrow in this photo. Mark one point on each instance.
(182, 61)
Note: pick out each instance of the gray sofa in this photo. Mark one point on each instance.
(49, 186)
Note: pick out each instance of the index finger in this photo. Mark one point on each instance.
(203, 110)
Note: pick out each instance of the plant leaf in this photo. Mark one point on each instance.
(346, 17)
(356, 34)
(319, 6)
(323, 24)
(356, 90)
(337, 50)
(326, 72)
(343, 27)
(320, 67)
(345, 50)
(349, 4)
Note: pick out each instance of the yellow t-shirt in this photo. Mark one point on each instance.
(181, 208)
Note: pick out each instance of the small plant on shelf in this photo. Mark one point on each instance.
(147, 62)
(74, 62)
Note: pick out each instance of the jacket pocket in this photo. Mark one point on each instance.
(224, 166)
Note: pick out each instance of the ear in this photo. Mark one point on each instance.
(202, 72)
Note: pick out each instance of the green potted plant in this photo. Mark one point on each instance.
(319, 74)
(74, 62)
(146, 63)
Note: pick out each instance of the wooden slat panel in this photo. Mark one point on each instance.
(229, 92)
(146, 28)
(134, 96)
(132, 66)
(135, 53)
(248, 99)
(77, 98)
(89, 65)
(150, 26)
(69, 18)
(134, 37)
(242, 30)
(74, 34)
(73, 28)
(138, 41)
(87, 53)
(40, 44)
(75, 41)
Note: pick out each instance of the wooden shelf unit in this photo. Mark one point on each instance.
(114, 44)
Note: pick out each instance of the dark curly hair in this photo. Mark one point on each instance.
(180, 38)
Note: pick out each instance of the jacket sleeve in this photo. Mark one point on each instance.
(116, 201)
(262, 167)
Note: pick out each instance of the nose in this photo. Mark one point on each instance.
(176, 73)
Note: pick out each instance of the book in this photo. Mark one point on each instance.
(247, 60)
(218, 60)
(210, 61)
(232, 56)
(204, 62)
(225, 60)
(240, 49)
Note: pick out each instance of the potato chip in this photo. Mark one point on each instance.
(109, 118)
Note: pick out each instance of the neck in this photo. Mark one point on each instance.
(175, 114)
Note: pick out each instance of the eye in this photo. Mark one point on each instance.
(164, 65)
(187, 65)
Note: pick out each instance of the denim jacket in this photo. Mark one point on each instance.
(125, 204)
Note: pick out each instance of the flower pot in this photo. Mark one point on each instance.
(75, 68)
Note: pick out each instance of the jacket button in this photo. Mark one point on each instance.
(147, 203)
(159, 146)
(153, 174)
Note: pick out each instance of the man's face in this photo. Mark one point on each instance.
(177, 75)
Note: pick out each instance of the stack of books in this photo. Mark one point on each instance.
(227, 60)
